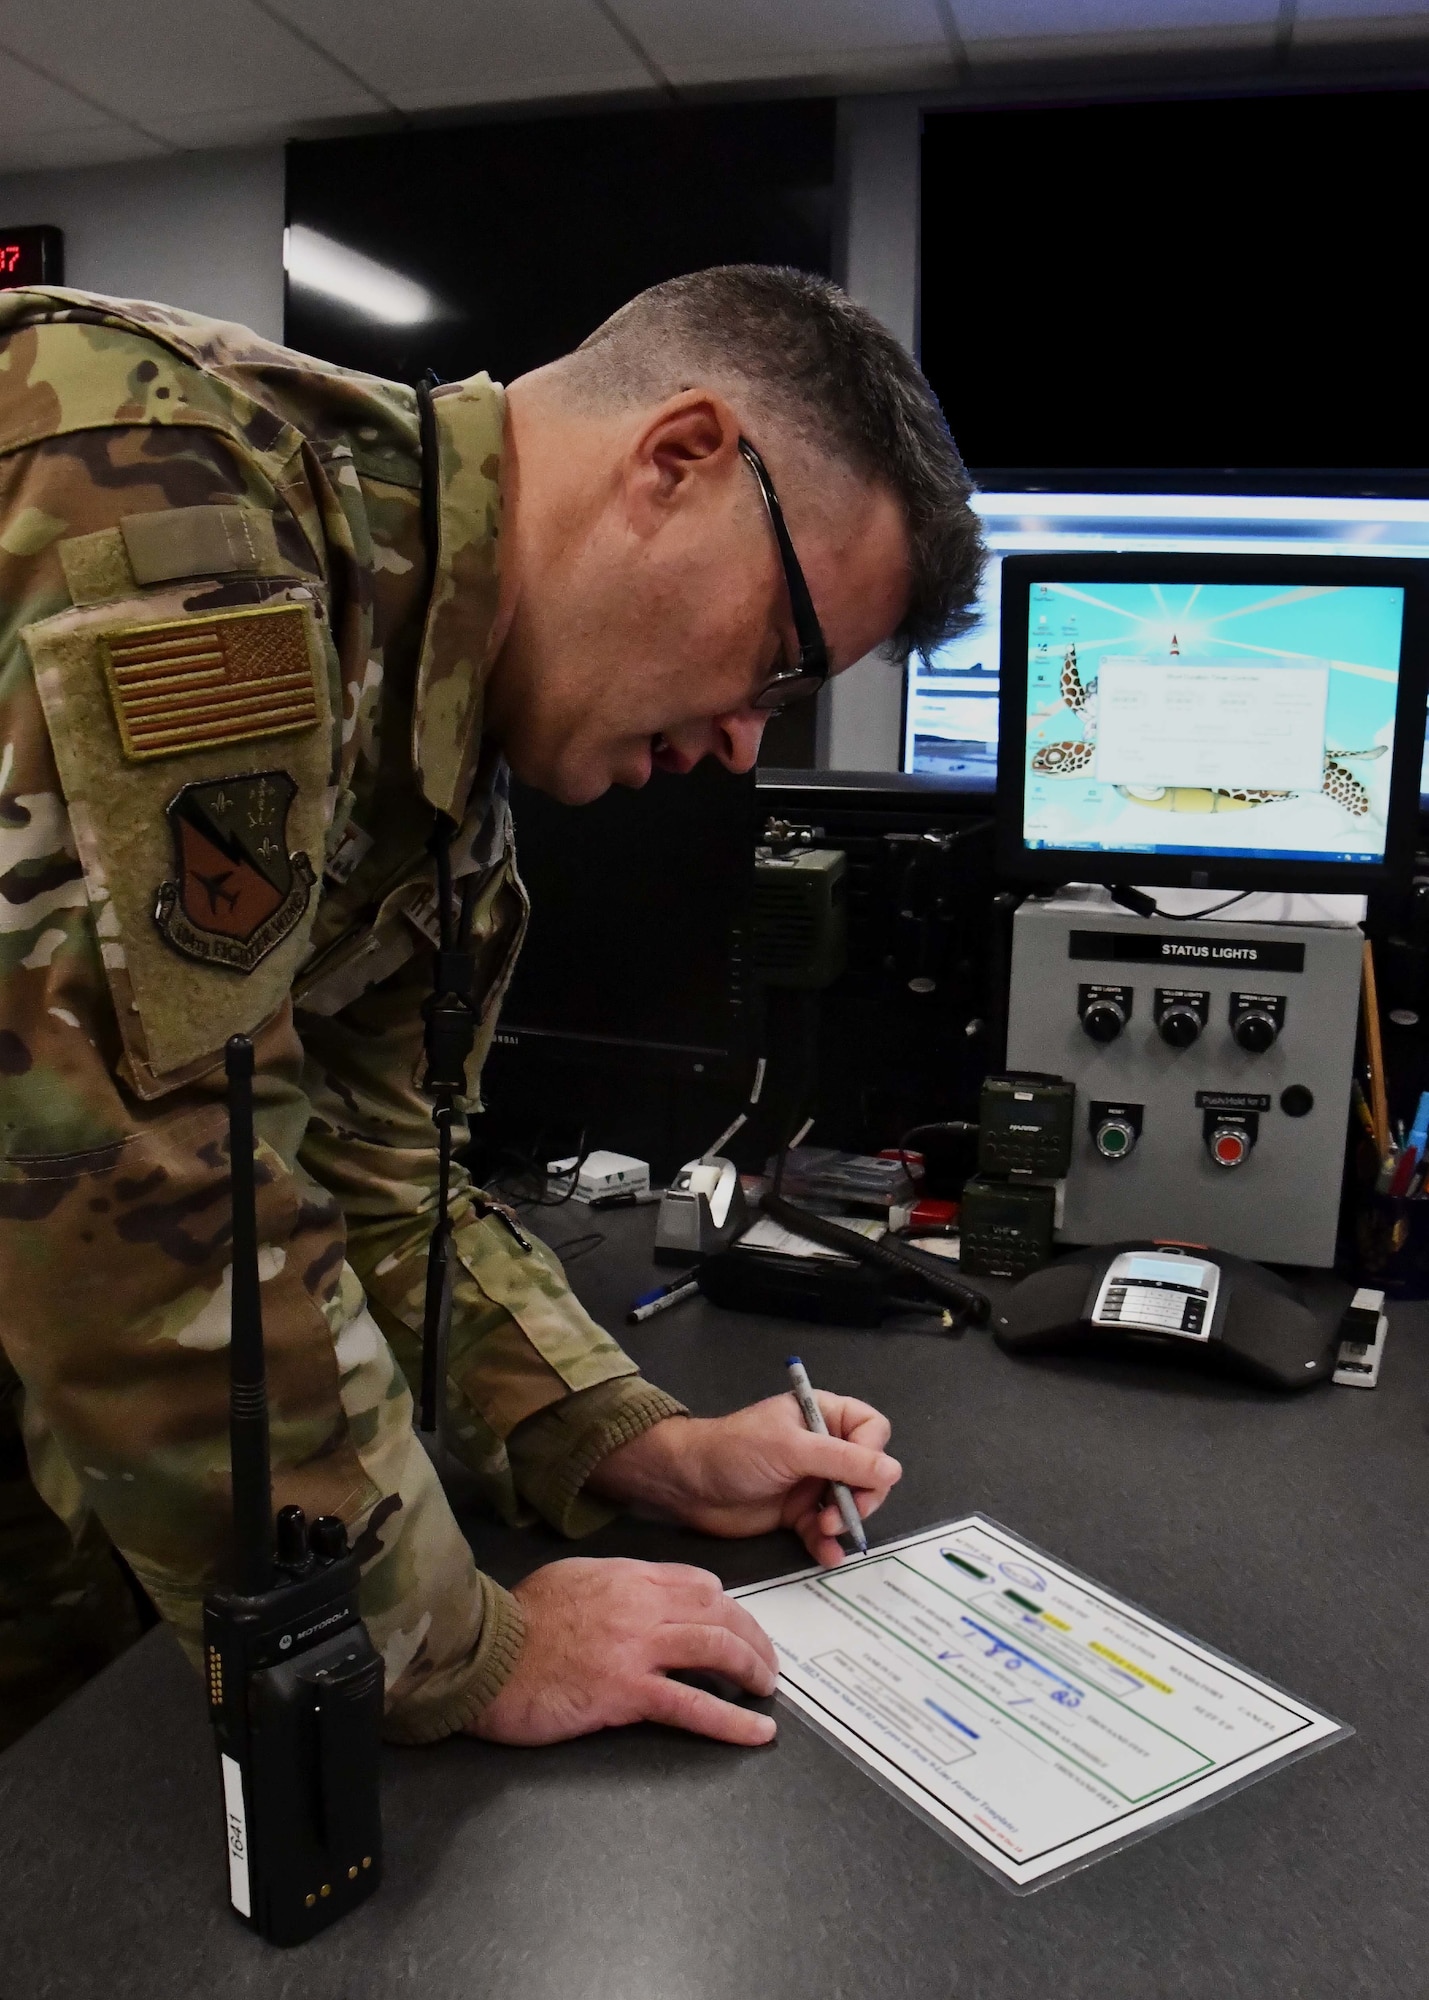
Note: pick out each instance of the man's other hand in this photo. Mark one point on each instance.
(757, 1470)
(601, 1641)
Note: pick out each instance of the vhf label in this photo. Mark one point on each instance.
(1153, 948)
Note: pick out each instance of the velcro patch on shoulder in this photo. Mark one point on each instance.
(96, 567)
(178, 542)
(199, 682)
(200, 851)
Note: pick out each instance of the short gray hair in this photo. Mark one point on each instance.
(837, 377)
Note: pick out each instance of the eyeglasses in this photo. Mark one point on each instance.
(792, 683)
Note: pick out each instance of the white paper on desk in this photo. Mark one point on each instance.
(1035, 1719)
(767, 1234)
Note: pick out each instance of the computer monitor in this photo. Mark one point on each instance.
(1210, 721)
(950, 700)
(634, 958)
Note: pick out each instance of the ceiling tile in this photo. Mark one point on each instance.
(912, 66)
(254, 125)
(165, 62)
(1066, 20)
(740, 38)
(34, 105)
(45, 125)
(427, 53)
(95, 146)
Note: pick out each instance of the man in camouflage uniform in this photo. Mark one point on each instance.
(255, 645)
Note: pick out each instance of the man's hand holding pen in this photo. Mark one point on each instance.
(604, 1636)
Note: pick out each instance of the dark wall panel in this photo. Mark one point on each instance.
(532, 233)
(1223, 283)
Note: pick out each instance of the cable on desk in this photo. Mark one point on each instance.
(947, 1128)
(537, 1170)
(577, 1246)
(1142, 905)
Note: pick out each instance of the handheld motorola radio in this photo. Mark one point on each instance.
(294, 1681)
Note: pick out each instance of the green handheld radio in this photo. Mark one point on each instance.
(294, 1681)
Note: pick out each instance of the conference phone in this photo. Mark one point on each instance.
(1170, 1300)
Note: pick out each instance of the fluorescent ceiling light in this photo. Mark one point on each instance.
(320, 265)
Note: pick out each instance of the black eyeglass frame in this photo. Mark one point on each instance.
(796, 683)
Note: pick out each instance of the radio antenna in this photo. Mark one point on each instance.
(247, 1381)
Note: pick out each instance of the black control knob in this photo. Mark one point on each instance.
(1180, 1024)
(327, 1538)
(1103, 1019)
(1255, 1030)
(1114, 1138)
(292, 1537)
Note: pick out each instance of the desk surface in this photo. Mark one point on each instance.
(645, 1865)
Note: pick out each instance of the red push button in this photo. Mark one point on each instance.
(1228, 1149)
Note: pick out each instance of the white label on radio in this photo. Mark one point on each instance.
(237, 1837)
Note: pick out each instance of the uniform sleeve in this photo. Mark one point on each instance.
(537, 1393)
(114, 1202)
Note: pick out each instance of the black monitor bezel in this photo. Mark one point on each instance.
(1019, 863)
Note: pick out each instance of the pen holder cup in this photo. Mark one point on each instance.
(1392, 1246)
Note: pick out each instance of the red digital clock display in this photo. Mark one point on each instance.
(31, 255)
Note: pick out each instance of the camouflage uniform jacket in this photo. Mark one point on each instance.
(237, 684)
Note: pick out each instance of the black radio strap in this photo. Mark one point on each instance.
(450, 1014)
(450, 1036)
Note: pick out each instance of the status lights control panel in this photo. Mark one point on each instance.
(1211, 1061)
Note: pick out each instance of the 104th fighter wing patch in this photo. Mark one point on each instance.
(239, 891)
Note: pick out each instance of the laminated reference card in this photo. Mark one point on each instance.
(1032, 1717)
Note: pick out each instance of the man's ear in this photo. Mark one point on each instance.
(692, 437)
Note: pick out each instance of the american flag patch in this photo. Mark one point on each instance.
(200, 683)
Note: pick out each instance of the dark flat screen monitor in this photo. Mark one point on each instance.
(635, 953)
(1210, 721)
(1203, 283)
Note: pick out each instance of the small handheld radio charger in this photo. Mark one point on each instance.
(294, 1681)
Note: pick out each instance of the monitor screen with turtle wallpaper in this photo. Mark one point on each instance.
(1223, 719)
(950, 716)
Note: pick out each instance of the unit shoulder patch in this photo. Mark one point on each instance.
(239, 891)
(200, 683)
(197, 867)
